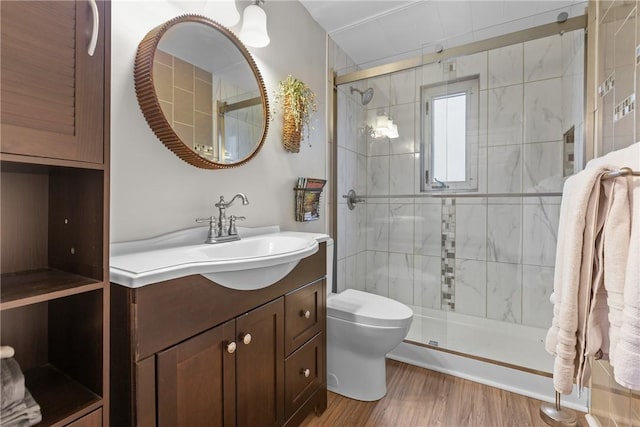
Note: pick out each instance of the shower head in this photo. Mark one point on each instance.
(366, 96)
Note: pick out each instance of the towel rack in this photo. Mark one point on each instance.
(554, 414)
(620, 172)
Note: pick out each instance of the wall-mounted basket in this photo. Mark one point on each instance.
(291, 132)
(298, 104)
(307, 199)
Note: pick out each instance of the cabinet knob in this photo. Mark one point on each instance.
(231, 347)
(305, 313)
(246, 338)
(306, 372)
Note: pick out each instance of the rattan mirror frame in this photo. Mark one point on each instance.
(150, 104)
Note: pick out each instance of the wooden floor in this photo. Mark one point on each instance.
(419, 397)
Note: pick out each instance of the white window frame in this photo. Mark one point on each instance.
(470, 86)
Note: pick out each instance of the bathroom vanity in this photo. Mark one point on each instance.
(189, 352)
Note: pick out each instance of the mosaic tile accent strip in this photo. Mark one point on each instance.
(448, 259)
(607, 85)
(628, 105)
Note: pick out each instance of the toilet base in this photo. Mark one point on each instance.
(355, 376)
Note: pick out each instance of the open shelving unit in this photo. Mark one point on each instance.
(54, 284)
(54, 205)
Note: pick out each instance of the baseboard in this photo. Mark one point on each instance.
(514, 380)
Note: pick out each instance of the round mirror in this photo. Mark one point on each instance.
(201, 92)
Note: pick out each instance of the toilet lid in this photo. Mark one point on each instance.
(368, 309)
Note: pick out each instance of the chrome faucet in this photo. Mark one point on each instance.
(221, 230)
(218, 230)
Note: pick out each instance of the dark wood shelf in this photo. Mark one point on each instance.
(61, 398)
(34, 286)
(47, 161)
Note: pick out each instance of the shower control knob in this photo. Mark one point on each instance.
(231, 347)
(305, 313)
(306, 372)
(246, 338)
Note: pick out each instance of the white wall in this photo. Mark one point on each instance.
(152, 190)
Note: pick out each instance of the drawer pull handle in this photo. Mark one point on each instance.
(231, 347)
(306, 372)
(305, 313)
(246, 338)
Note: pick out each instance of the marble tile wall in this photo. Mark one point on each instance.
(486, 257)
(618, 33)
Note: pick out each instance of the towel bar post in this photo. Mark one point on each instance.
(554, 415)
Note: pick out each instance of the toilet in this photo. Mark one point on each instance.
(361, 329)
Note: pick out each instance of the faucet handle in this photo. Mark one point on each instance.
(212, 223)
(210, 220)
(232, 224)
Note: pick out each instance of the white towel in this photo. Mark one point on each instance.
(572, 277)
(595, 230)
(626, 362)
(616, 234)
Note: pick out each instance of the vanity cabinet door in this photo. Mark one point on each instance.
(260, 366)
(195, 381)
(52, 89)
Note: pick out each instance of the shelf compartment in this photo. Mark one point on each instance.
(52, 226)
(59, 345)
(61, 398)
(30, 287)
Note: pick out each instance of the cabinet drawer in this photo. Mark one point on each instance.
(305, 314)
(304, 373)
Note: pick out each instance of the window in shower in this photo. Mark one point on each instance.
(450, 135)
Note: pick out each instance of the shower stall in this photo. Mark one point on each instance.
(458, 164)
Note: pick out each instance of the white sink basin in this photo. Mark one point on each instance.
(253, 262)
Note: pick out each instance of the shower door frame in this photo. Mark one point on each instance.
(541, 31)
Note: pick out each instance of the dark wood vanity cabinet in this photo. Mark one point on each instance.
(54, 219)
(188, 352)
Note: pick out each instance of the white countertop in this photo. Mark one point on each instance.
(181, 253)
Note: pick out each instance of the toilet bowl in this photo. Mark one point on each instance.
(361, 329)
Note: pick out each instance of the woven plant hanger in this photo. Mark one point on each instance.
(291, 133)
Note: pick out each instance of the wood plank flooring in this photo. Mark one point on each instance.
(418, 397)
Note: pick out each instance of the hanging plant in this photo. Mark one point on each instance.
(298, 103)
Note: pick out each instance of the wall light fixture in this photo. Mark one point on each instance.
(254, 26)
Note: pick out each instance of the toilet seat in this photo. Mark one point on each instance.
(369, 309)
